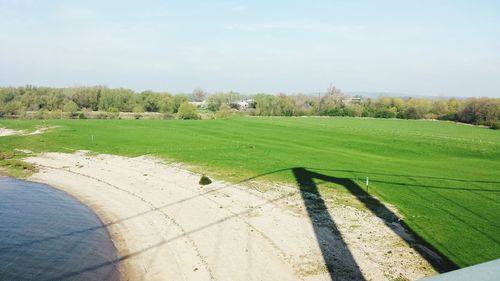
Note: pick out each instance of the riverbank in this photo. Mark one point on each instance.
(38, 226)
(166, 226)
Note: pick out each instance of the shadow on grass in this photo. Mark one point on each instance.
(305, 180)
(417, 177)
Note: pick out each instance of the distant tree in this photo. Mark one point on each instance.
(84, 97)
(265, 105)
(286, 105)
(334, 93)
(138, 108)
(214, 101)
(166, 103)
(70, 107)
(11, 108)
(198, 95)
(178, 100)
(331, 101)
(354, 110)
(187, 111)
(385, 112)
(150, 100)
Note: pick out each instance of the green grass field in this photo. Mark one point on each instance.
(443, 177)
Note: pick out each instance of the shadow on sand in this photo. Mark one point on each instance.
(337, 257)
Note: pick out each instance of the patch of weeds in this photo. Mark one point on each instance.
(4, 155)
(17, 168)
(12, 165)
(354, 226)
(400, 278)
(91, 153)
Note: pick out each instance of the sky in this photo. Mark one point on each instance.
(435, 47)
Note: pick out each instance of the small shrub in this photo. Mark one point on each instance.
(23, 165)
(204, 180)
(495, 125)
(187, 111)
(223, 112)
(101, 115)
(168, 116)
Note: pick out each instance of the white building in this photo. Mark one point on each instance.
(199, 104)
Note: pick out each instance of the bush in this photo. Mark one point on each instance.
(187, 111)
(204, 180)
(224, 111)
(386, 113)
(495, 125)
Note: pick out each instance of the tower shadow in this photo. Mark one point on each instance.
(338, 259)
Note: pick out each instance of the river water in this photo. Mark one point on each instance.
(45, 234)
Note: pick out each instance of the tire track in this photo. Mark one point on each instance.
(154, 208)
(205, 195)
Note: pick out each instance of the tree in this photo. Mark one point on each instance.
(138, 108)
(166, 103)
(331, 101)
(150, 101)
(187, 111)
(214, 101)
(265, 105)
(178, 100)
(70, 107)
(198, 95)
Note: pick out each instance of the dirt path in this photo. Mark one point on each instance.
(167, 227)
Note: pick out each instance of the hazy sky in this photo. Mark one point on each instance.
(415, 47)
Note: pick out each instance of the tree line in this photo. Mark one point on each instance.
(29, 98)
(16, 101)
(477, 111)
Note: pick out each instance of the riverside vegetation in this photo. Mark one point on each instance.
(102, 102)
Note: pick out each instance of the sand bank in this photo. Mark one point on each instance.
(9, 132)
(167, 227)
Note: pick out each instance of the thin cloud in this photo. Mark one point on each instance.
(74, 13)
(293, 25)
(239, 8)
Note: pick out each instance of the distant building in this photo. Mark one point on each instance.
(244, 104)
(199, 104)
(351, 100)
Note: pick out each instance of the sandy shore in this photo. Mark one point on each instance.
(166, 227)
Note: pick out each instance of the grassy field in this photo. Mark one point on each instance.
(443, 177)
